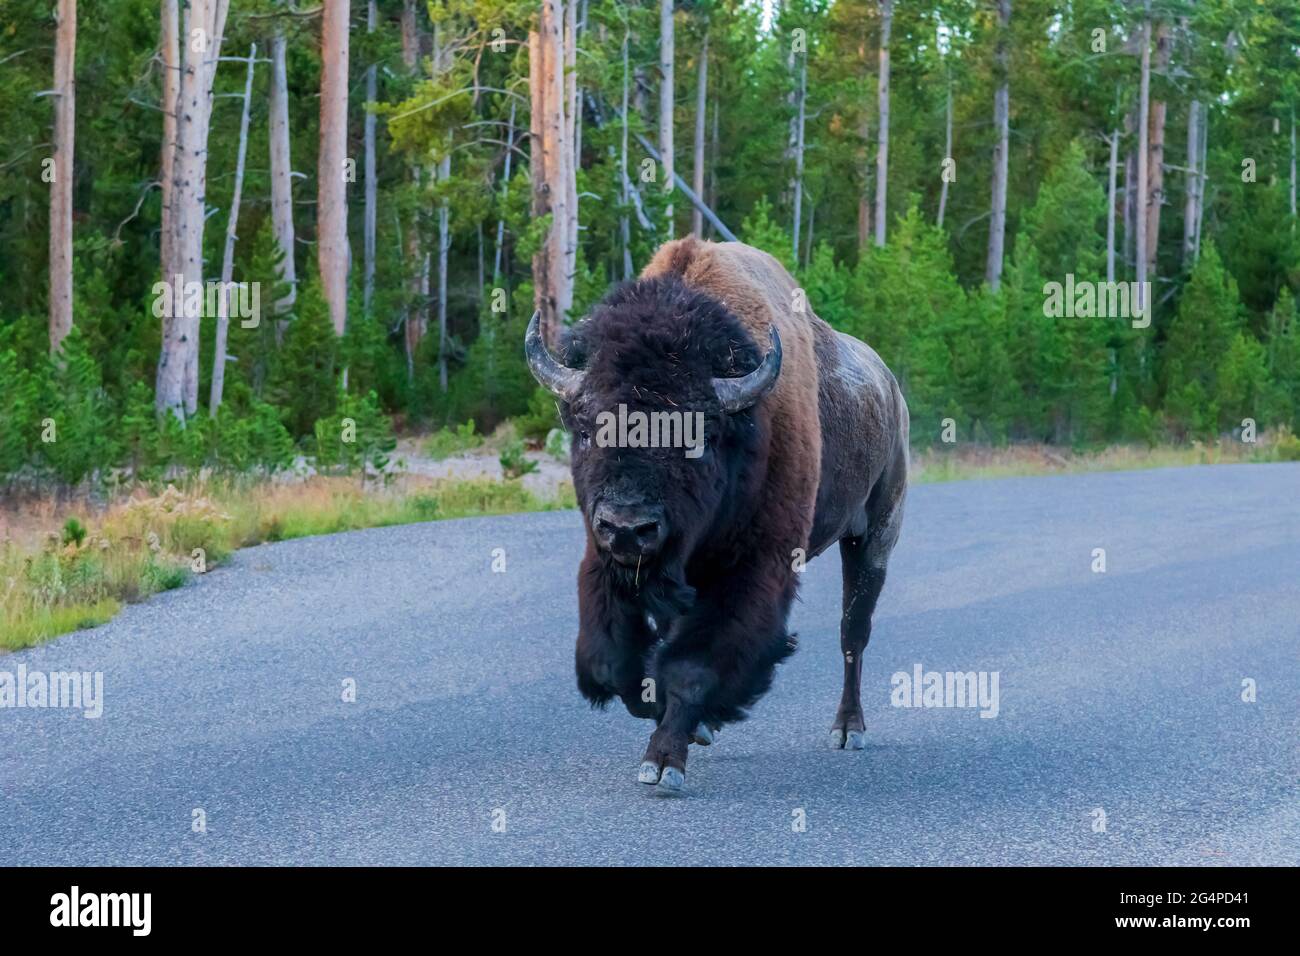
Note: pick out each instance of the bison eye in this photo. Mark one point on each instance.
(584, 439)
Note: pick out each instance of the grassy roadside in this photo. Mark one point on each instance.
(58, 574)
(963, 462)
(56, 581)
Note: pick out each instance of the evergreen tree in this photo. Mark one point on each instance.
(303, 380)
(1200, 337)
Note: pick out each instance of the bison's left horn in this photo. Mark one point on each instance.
(555, 375)
(737, 394)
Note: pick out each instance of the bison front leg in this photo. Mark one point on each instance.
(719, 659)
(687, 683)
(613, 642)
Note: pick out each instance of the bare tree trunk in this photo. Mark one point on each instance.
(882, 121)
(701, 115)
(865, 219)
(1293, 177)
(1193, 182)
(505, 194)
(572, 146)
(65, 114)
(1112, 174)
(684, 188)
(947, 155)
(444, 246)
(552, 282)
(1130, 192)
(282, 176)
(624, 225)
(332, 198)
(1143, 184)
(1112, 171)
(440, 66)
(543, 296)
(713, 154)
(1156, 159)
(203, 23)
(171, 80)
(218, 383)
(812, 219)
(865, 215)
(372, 187)
(800, 116)
(1200, 192)
(1001, 123)
(415, 264)
(666, 57)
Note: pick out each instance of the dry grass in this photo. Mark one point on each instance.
(961, 462)
(56, 578)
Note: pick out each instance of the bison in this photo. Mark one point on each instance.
(693, 553)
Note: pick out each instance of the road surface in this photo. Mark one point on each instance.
(1121, 734)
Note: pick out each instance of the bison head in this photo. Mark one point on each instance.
(655, 388)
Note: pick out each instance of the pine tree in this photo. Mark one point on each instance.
(1072, 365)
(79, 414)
(303, 382)
(904, 300)
(1283, 349)
(18, 403)
(1200, 336)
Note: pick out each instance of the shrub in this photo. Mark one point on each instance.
(1287, 446)
(302, 384)
(513, 461)
(78, 441)
(451, 441)
(359, 436)
(541, 417)
(558, 444)
(74, 532)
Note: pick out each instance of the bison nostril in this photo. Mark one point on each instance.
(647, 530)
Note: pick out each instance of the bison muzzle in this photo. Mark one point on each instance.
(693, 553)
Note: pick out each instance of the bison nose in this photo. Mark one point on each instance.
(630, 531)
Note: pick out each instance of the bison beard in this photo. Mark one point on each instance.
(688, 577)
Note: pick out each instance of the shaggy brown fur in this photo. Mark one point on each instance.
(821, 458)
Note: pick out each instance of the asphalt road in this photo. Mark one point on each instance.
(1119, 693)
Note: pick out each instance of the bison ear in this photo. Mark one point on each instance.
(738, 394)
(561, 380)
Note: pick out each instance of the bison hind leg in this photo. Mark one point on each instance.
(864, 577)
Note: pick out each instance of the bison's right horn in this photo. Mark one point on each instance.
(737, 394)
(553, 374)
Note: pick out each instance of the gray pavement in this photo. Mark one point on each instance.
(1119, 693)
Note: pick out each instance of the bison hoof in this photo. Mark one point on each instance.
(649, 773)
(672, 780)
(842, 739)
(703, 734)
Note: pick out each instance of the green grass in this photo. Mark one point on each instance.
(77, 571)
(144, 545)
(452, 441)
(45, 623)
(964, 462)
